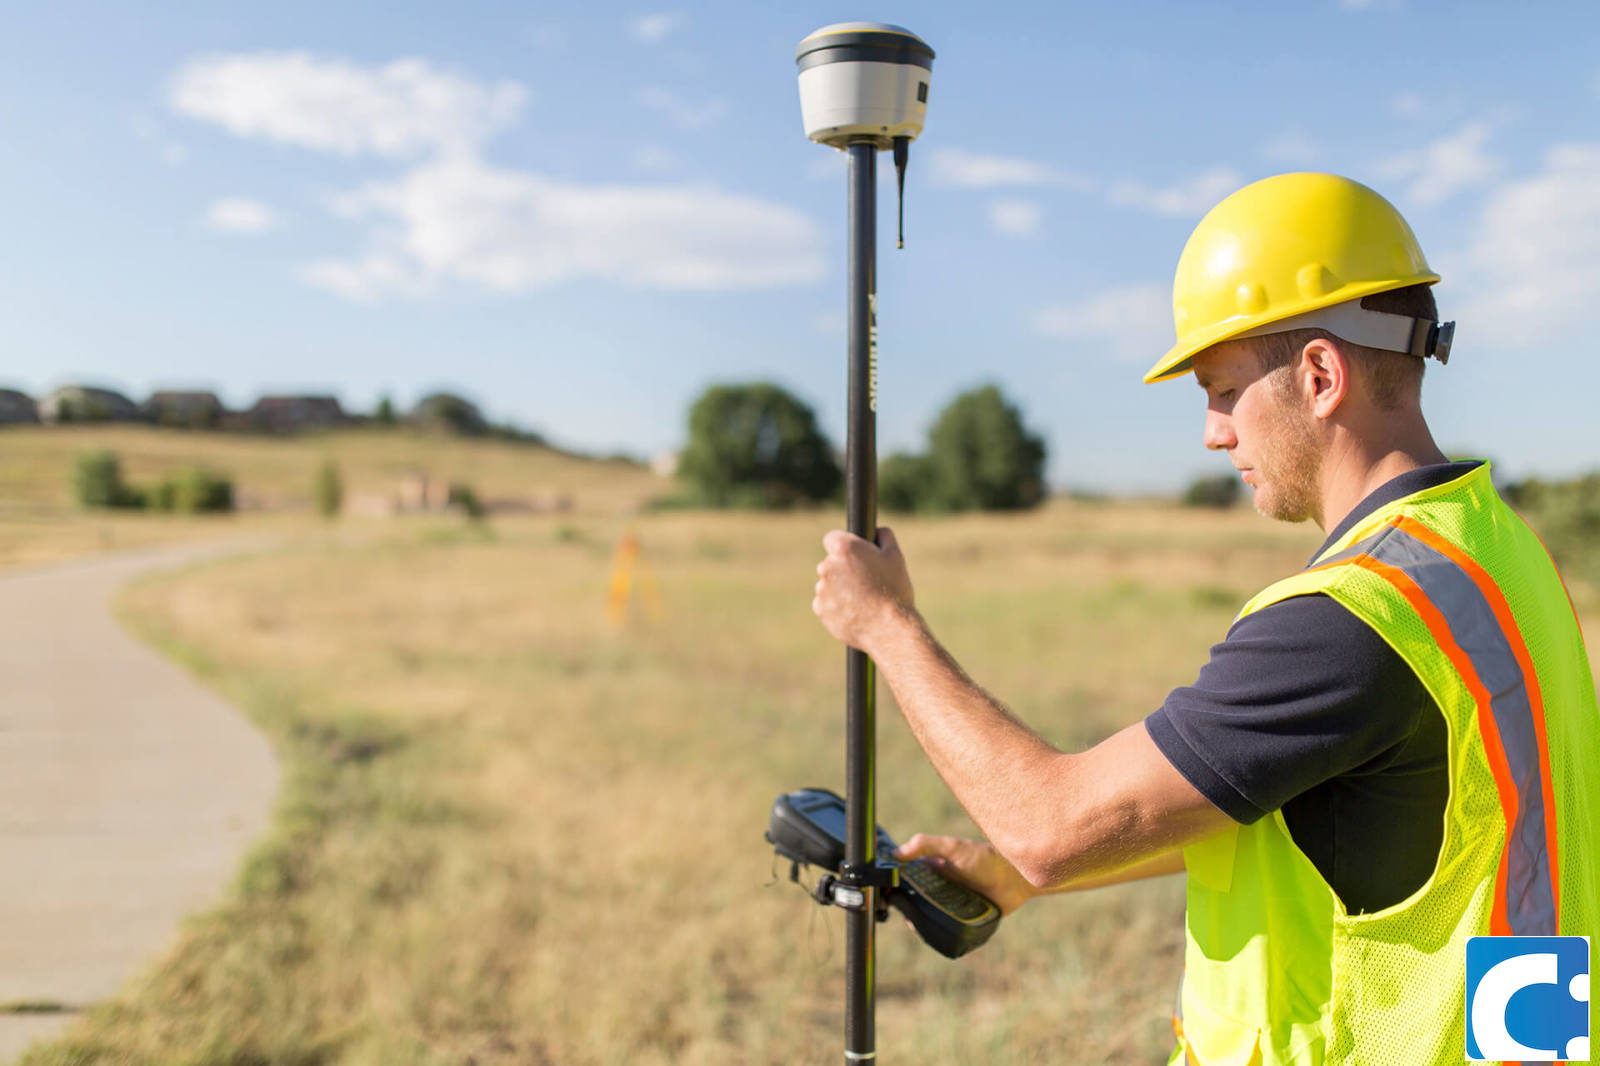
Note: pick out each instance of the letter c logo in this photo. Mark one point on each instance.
(1495, 989)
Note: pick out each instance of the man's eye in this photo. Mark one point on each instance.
(1225, 394)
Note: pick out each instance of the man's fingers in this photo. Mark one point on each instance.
(924, 844)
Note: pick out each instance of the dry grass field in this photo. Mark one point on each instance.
(510, 833)
(39, 522)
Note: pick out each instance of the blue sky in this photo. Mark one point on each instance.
(581, 215)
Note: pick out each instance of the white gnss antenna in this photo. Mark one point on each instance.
(865, 83)
(863, 89)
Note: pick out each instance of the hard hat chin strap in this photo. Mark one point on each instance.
(1387, 332)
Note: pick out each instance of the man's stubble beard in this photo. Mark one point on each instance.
(1290, 463)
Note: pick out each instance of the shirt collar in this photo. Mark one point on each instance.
(1423, 477)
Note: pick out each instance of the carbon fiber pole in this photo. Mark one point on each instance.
(861, 510)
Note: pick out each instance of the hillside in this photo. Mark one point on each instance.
(272, 476)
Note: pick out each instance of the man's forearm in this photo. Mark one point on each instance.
(1009, 779)
(1162, 865)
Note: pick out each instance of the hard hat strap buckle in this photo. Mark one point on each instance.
(1431, 338)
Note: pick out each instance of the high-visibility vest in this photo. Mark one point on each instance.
(1276, 971)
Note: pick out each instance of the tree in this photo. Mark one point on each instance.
(981, 457)
(755, 445)
(905, 483)
(384, 415)
(448, 413)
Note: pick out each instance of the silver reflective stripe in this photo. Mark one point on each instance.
(1360, 547)
(1530, 897)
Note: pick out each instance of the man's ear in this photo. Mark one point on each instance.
(1323, 376)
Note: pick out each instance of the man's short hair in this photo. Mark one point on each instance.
(1391, 378)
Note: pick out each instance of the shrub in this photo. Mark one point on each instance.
(1220, 491)
(462, 497)
(328, 489)
(97, 482)
(194, 490)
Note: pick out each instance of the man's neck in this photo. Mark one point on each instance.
(1353, 469)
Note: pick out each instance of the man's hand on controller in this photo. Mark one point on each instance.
(973, 863)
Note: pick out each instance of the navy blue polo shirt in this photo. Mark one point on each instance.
(1304, 707)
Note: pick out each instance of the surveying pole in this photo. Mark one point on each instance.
(863, 89)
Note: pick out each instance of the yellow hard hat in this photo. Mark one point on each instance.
(1285, 246)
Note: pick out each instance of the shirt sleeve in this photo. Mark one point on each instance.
(1299, 692)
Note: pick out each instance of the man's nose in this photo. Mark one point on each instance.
(1219, 431)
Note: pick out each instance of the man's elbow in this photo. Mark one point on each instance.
(1095, 839)
(1044, 859)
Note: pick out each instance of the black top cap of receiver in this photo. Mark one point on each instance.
(864, 41)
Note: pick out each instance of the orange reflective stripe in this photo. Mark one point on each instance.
(1513, 634)
(1499, 922)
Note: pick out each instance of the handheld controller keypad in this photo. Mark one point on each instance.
(808, 826)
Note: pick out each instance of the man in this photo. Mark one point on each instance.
(1391, 751)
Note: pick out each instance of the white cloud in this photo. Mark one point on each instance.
(1530, 270)
(454, 217)
(404, 109)
(364, 280)
(970, 170)
(1017, 218)
(654, 27)
(680, 112)
(241, 215)
(1130, 323)
(1193, 197)
(465, 220)
(1440, 169)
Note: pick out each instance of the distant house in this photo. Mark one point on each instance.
(186, 410)
(17, 407)
(83, 403)
(290, 414)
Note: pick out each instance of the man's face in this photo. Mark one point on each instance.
(1269, 437)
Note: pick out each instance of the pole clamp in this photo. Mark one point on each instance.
(848, 887)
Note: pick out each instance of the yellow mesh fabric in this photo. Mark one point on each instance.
(1275, 968)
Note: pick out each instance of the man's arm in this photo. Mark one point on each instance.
(978, 865)
(1062, 820)
(1055, 817)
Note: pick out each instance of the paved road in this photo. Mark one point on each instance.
(128, 793)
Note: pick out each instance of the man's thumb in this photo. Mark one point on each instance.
(886, 539)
